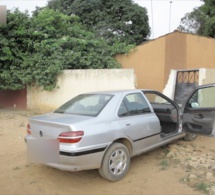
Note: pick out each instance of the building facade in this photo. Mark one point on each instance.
(153, 60)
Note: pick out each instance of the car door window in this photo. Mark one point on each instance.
(86, 104)
(199, 112)
(165, 109)
(133, 104)
(202, 98)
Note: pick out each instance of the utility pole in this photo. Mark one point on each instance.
(170, 8)
(152, 20)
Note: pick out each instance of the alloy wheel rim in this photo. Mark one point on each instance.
(193, 135)
(117, 162)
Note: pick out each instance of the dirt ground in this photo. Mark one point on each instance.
(145, 176)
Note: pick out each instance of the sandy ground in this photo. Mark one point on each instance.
(19, 177)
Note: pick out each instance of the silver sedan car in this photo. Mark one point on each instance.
(103, 130)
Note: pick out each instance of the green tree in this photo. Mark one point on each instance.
(209, 10)
(35, 50)
(14, 39)
(201, 20)
(112, 20)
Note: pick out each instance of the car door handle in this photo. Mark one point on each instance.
(128, 124)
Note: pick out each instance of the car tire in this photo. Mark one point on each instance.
(115, 163)
(190, 137)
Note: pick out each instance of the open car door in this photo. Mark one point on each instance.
(199, 111)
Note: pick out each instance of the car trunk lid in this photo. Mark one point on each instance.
(49, 126)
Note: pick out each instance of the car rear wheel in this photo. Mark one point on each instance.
(115, 163)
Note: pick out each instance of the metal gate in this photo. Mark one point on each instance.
(186, 82)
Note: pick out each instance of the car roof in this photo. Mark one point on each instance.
(114, 92)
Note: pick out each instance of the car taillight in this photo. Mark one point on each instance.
(28, 129)
(70, 137)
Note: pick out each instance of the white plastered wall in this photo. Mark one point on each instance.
(73, 82)
(206, 76)
(169, 89)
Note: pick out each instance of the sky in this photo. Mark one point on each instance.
(164, 15)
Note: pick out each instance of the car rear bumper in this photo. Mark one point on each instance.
(47, 152)
(78, 163)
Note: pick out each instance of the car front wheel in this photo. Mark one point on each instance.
(190, 137)
(115, 163)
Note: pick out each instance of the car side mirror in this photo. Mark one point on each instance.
(194, 105)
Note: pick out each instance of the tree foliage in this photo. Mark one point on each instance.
(14, 45)
(201, 20)
(35, 49)
(120, 20)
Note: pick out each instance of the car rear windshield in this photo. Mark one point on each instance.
(87, 104)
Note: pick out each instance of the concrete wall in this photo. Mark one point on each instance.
(74, 82)
(147, 60)
(200, 52)
(206, 76)
(169, 89)
(175, 53)
(153, 61)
